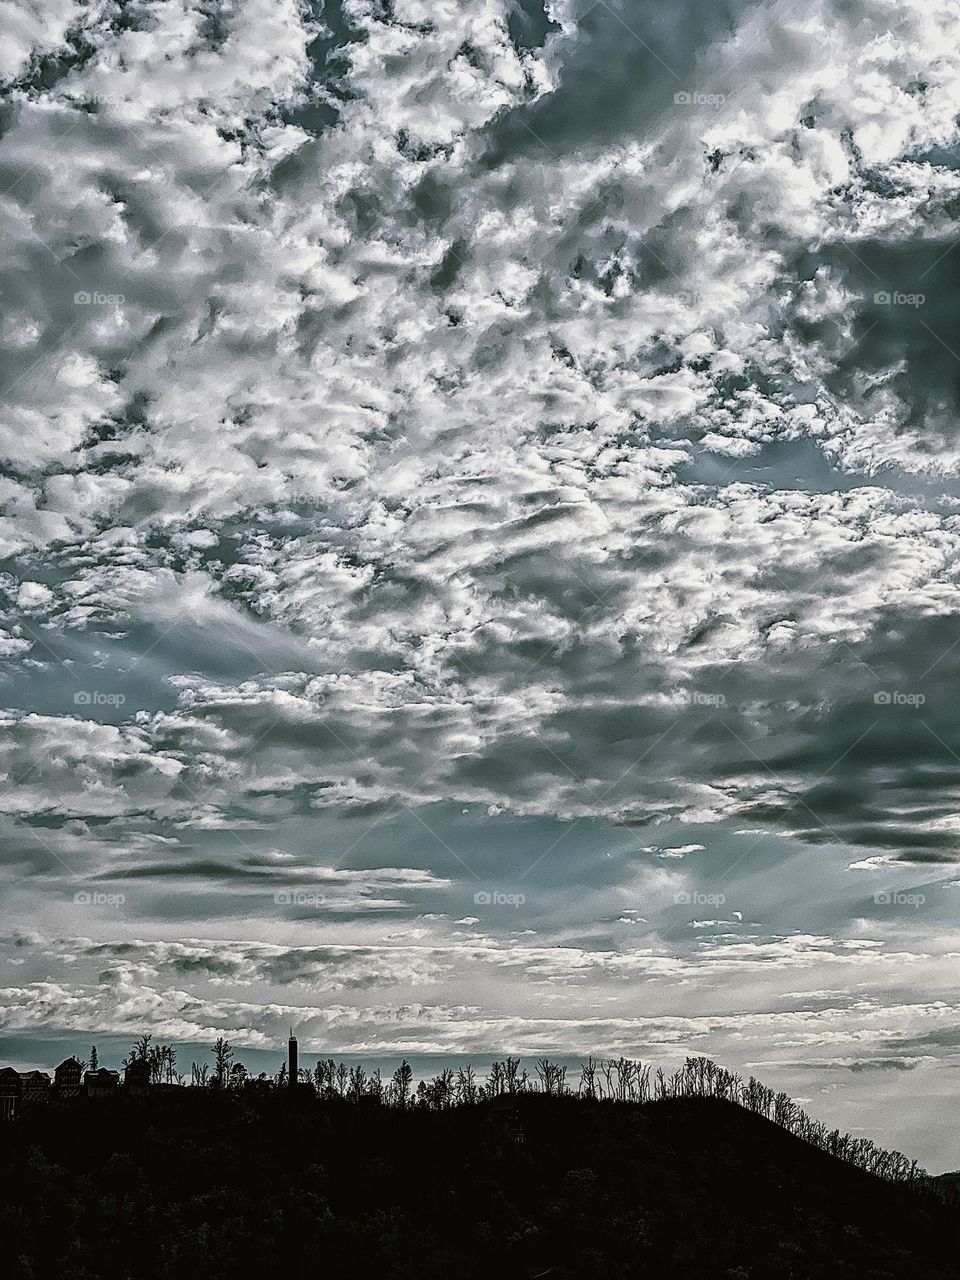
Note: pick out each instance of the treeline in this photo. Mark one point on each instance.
(602, 1080)
(625, 1080)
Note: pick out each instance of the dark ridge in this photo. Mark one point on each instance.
(193, 1183)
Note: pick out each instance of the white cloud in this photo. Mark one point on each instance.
(466, 452)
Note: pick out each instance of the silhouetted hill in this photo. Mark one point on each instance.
(199, 1186)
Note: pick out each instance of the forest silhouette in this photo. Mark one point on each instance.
(633, 1172)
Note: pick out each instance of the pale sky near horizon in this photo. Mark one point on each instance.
(480, 535)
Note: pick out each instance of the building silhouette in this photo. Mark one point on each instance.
(67, 1078)
(136, 1078)
(9, 1093)
(101, 1083)
(34, 1086)
(20, 1091)
(293, 1072)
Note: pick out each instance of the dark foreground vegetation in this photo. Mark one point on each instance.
(234, 1183)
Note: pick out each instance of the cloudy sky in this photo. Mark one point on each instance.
(480, 535)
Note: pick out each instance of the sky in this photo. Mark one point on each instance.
(480, 536)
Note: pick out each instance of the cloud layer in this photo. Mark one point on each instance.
(448, 448)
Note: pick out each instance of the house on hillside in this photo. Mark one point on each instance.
(67, 1078)
(9, 1093)
(101, 1083)
(34, 1086)
(505, 1117)
(136, 1078)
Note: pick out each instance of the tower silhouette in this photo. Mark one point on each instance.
(292, 1071)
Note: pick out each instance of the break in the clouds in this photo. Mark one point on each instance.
(481, 529)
